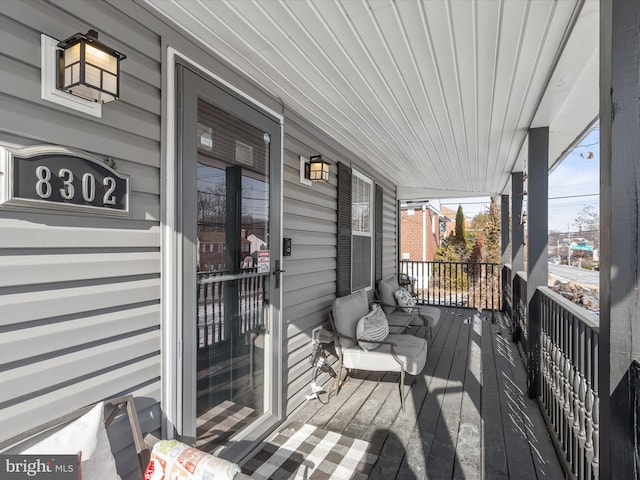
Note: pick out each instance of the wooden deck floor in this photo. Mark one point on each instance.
(467, 415)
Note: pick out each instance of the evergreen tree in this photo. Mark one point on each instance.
(447, 251)
(455, 248)
(460, 234)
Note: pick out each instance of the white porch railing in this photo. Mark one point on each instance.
(569, 395)
(569, 374)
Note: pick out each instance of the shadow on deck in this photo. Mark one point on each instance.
(467, 415)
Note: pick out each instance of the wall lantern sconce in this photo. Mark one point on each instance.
(88, 68)
(317, 170)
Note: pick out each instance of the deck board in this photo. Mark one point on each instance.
(540, 447)
(443, 460)
(467, 415)
(435, 378)
(512, 395)
(494, 455)
(468, 447)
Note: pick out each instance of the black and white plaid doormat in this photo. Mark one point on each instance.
(307, 452)
(217, 425)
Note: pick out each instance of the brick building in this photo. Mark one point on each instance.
(422, 227)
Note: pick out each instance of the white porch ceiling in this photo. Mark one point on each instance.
(437, 95)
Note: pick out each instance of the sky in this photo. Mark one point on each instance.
(573, 184)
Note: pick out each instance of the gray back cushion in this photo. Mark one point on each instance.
(346, 313)
(386, 290)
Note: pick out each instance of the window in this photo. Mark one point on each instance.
(360, 204)
(359, 236)
(361, 231)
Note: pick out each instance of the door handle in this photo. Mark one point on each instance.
(277, 273)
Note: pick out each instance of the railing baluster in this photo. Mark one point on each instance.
(422, 276)
(439, 284)
(595, 462)
(198, 292)
(450, 284)
(220, 309)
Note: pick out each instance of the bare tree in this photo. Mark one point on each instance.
(211, 203)
(588, 219)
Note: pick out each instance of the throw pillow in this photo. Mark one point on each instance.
(373, 326)
(173, 459)
(87, 435)
(404, 299)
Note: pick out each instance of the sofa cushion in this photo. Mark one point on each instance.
(347, 311)
(373, 326)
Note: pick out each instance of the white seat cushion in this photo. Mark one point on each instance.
(411, 350)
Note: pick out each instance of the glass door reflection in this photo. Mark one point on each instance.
(233, 282)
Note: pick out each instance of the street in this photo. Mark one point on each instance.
(574, 274)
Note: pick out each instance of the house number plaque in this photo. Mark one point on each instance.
(59, 178)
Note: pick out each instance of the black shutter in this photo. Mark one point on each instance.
(343, 268)
(378, 234)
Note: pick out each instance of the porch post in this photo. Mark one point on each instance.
(517, 249)
(618, 386)
(506, 252)
(517, 232)
(537, 243)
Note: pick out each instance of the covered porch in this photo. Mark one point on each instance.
(404, 101)
(500, 95)
(467, 415)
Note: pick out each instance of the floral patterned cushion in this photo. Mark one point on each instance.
(404, 299)
(171, 459)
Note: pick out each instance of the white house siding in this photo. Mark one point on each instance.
(79, 294)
